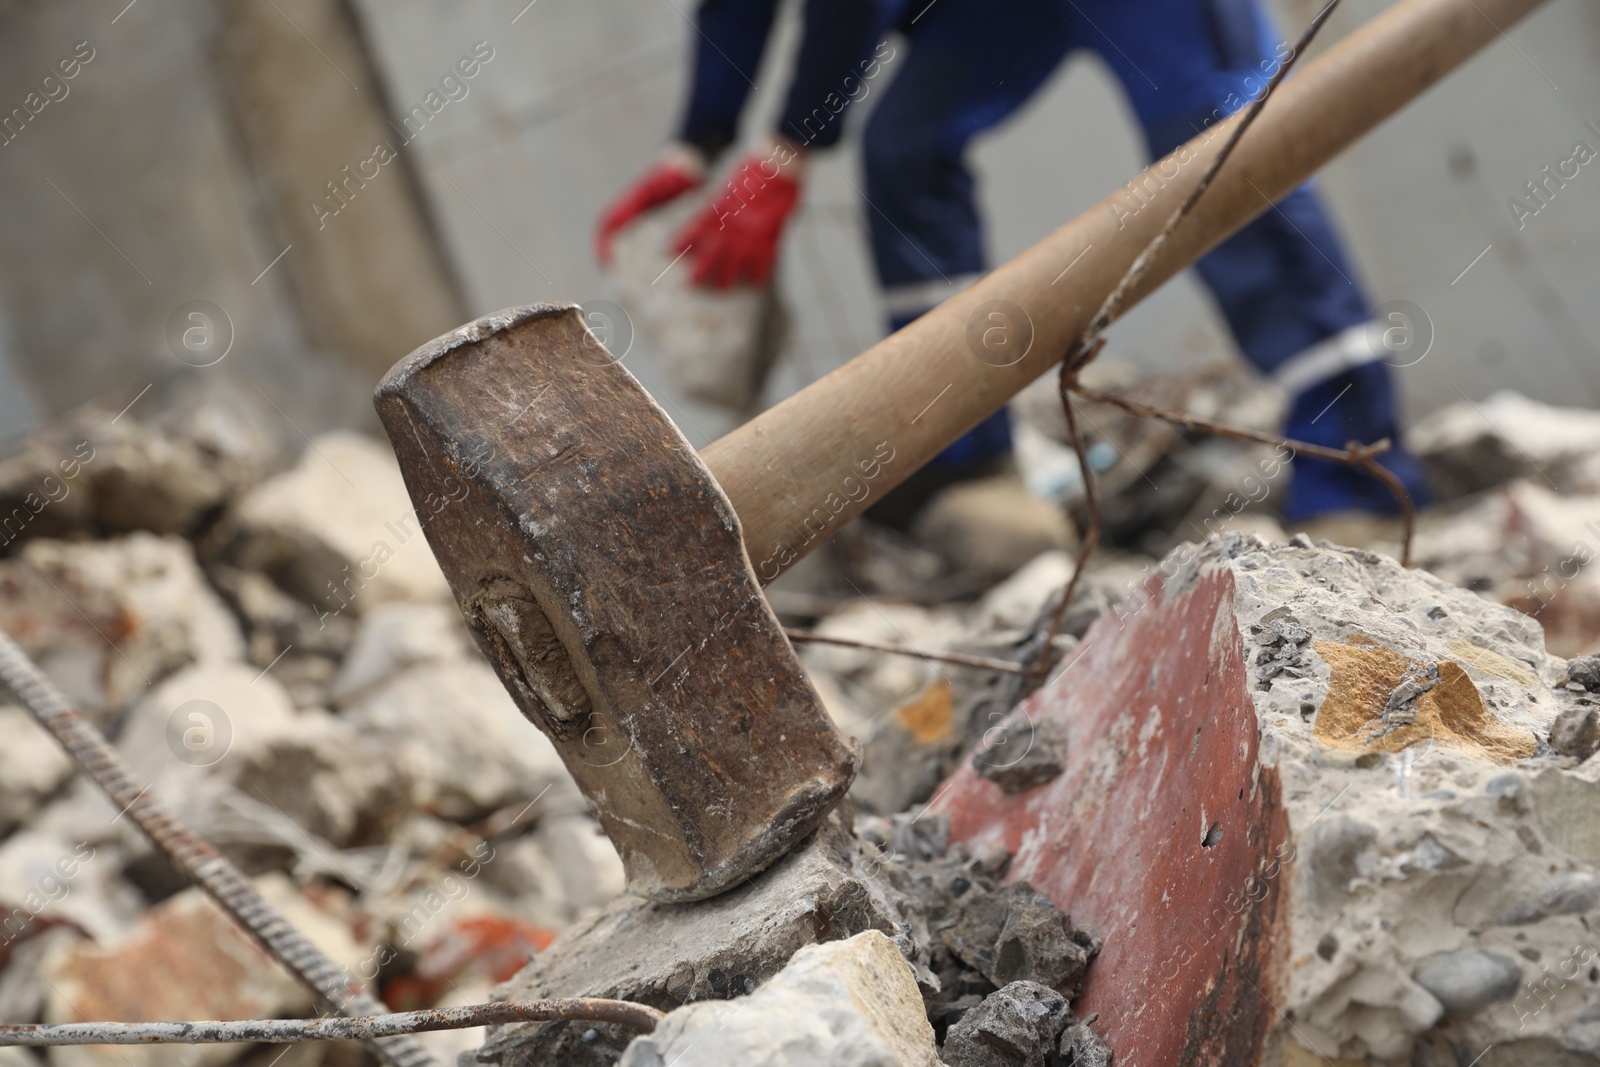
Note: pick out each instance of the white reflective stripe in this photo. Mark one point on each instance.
(917, 297)
(1346, 350)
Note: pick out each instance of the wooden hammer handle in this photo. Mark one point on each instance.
(803, 468)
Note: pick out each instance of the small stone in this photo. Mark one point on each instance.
(1328, 946)
(1082, 1047)
(1585, 670)
(1036, 945)
(1337, 852)
(1029, 753)
(1511, 793)
(850, 1003)
(1470, 979)
(1570, 894)
(1016, 934)
(1015, 1026)
(1576, 732)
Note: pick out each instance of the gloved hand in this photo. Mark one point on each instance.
(680, 169)
(736, 237)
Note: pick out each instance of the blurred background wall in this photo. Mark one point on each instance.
(225, 153)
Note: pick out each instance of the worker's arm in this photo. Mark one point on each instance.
(735, 239)
(729, 39)
(732, 35)
(840, 58)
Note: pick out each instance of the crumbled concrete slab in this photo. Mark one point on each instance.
(849, 1003)
(667, 955)
(1354, 820)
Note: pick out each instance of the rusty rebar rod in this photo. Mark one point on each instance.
(362, 1028)
(1354, 454)
(1040, 667)
(195, 856)
(960, 659)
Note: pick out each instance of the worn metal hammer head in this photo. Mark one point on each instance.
(602, 571)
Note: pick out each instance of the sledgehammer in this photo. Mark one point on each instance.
(613, 577)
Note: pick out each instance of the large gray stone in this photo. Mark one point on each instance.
(1470, 979)
(851, 1003)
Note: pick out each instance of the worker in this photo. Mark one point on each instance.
(1284, 283)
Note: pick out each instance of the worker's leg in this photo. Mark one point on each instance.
(1284, 284)
(965, 66)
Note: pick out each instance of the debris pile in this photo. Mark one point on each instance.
(1391, 791)
(274, 652)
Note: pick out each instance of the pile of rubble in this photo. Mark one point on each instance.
(274, 652)
(272, 648)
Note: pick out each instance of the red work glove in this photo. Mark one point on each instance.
(736, 237)
(669, 179)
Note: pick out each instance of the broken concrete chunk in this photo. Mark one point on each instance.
(1472, 446)
(1470, 979)
(850, 1003)
(1082, 1047)
(230, 728)
(455, 735)
(107, 619)
(1023, 755)
(1576, 733)
(395, 636)
(49, 880)
(338, 531)
(1277, 816)
(716, 345)
(668, 955)
(1014, 934)
(1016, 1026)
(993, 526)
(32, 766)
(188, 960)
(167, 465)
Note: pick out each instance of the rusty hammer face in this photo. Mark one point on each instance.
(601, 569)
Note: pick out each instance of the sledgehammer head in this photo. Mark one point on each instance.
(602, 571)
